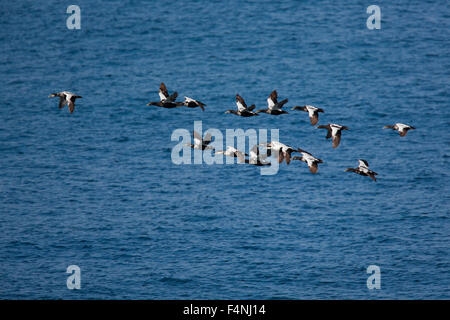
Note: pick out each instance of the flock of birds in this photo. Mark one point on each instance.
(274, 107)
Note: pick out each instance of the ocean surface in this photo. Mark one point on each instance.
(98, 189)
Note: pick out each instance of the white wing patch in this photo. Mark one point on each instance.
(270, 104)
(362, 165)
(162, 97)
(240, 106)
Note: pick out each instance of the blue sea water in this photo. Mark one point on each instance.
(97, 188)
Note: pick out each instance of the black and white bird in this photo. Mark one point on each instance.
(166, 100)
(312, 111)
(284, 151)
(192, 103)
(310, 160)
(363, 169)
(233, 152)
(66, 97)
(273, 106)
(401, 128)
(242, 109)
(256, 158)
(201, 143)
(334, 132)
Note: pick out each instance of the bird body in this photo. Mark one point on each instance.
(166, 104)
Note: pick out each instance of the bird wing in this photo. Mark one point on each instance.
(280, 104)
(371, 174)
(62, 101)
(163, 94)
(207, 139)
(240, 102)
(173, 97)
(241, 106)
(363, 163)
(197, 139)
(303, 152)
(240, 155)
(314, 118)
(303, 108)
(328, 129)
(200, 104)
(280, 156)
(272, 100)
(254, 152)
(287, 155)
(336, 139)
(71, 105)
(313, 167)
